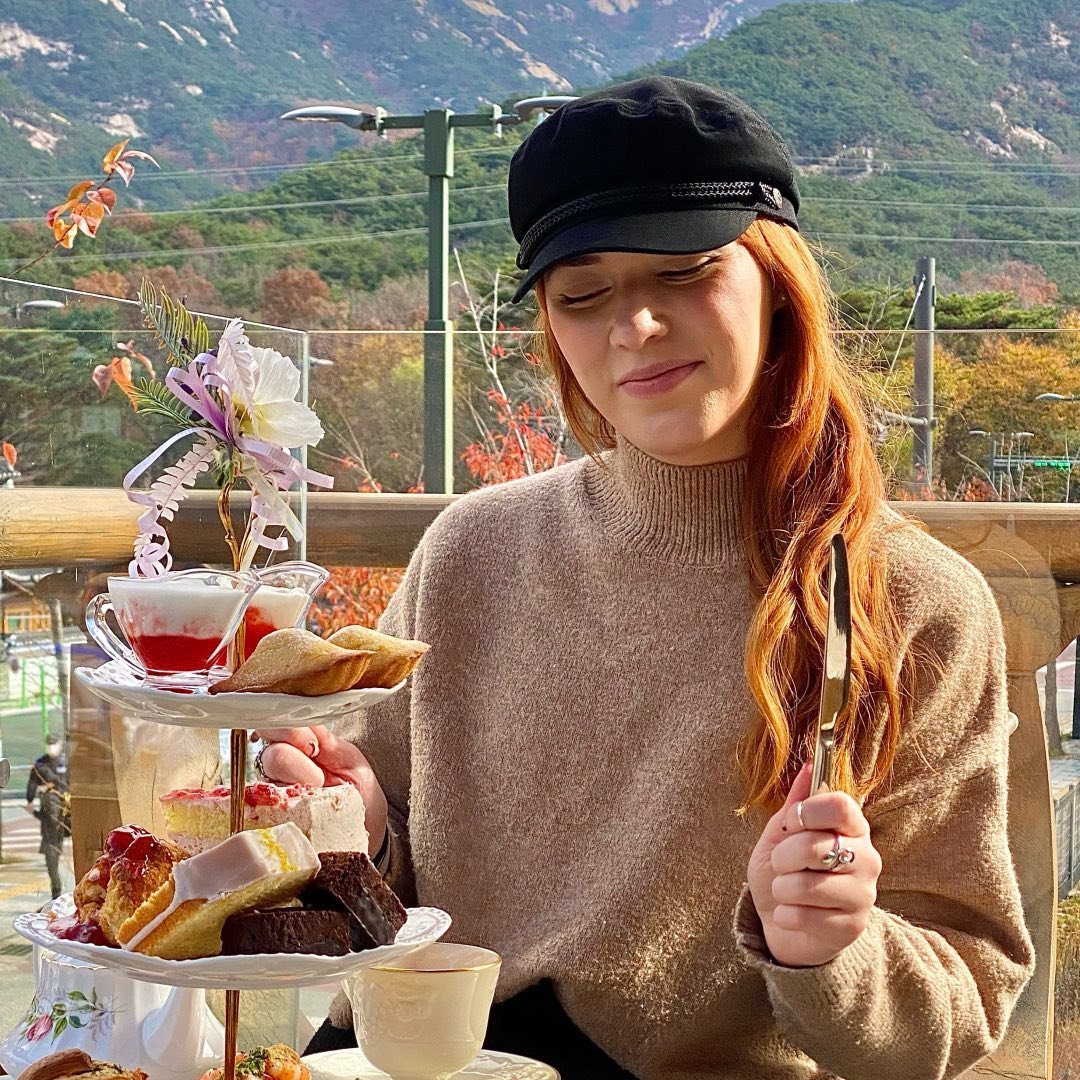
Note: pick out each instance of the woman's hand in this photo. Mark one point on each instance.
(810, 914)
(317, 757)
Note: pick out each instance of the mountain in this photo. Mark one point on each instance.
(948, 128)
(201, 83)
(986, 80)
(953, 121)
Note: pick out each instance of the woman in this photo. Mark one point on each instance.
(599, 769)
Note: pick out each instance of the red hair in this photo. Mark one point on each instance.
(815, 474)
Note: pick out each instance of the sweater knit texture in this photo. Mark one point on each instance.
(562, 780)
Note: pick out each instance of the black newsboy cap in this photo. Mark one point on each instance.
(659, 164)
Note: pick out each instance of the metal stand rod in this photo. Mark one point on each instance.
(238, 745)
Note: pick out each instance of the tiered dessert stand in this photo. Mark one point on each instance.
(240, 713)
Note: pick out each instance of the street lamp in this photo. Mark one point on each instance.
(438, 127)
(35, 305)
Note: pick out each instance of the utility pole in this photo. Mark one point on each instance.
(1076, 690)
(438, 327)
(923, 390)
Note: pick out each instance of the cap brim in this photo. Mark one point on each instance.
(674, 232)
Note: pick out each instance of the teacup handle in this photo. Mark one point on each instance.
(103, 634)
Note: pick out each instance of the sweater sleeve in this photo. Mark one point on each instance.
(929, 986)
(383, 733)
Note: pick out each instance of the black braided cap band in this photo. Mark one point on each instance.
(749, 194)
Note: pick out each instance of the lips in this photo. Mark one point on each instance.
(652, 371)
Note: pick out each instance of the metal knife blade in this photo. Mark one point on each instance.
(836, 674)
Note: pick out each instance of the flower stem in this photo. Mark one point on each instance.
(226, 518)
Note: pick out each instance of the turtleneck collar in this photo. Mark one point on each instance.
(683, 513)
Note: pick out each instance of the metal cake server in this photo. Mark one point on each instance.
(836, 674)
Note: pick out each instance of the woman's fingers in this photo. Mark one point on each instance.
(831, 811)
(335, 754)
(283, 763)
(840, 892)
(305, 739)
(808, 851)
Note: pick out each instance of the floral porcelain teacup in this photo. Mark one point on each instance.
(168, 1032)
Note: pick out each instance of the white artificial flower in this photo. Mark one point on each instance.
(275, 415)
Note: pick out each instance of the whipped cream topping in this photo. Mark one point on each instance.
(182, 608)
(278, 606)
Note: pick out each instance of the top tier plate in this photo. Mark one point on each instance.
(120, 686)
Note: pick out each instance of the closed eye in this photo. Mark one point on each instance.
(569, 301)
(688, 272)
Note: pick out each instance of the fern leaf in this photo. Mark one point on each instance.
(172, 487)
(153, 398)
(178, 331)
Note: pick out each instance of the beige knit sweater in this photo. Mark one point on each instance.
(563, 771)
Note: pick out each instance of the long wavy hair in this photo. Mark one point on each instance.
(815, 474)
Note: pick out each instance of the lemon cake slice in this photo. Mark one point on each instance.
(182, 920)
(332, 818)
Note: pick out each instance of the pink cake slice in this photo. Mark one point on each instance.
(331, 818)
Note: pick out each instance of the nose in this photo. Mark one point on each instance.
(637, 322)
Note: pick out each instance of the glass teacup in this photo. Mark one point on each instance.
(284, 597)
(176, 627)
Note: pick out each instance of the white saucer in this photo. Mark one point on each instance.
(265, 971)
(119, 685)
(489, 1065)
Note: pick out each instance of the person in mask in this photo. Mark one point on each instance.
(50, 786)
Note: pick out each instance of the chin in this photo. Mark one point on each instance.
(681, 446)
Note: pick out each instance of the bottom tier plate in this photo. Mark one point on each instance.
(264, 971)
(489, 1064)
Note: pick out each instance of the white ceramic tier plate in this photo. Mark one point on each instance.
(489, 1065)
(258, 972)
(122, 687)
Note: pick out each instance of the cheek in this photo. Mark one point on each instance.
(581, 347)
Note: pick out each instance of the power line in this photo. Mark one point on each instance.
(1063, 171)
(319, 241)
(923, 205)
(946, 239)
(904, 162)
(195, 211)
(315, 241)
(226, 170)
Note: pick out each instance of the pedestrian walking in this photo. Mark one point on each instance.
(49, 785)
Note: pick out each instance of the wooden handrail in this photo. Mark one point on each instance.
(52, 526)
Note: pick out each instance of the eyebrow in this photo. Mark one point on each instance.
(579, 260)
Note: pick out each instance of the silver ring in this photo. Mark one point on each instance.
(259, 770)
(839, 856)
(798, 815)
